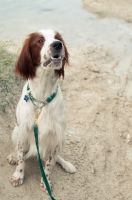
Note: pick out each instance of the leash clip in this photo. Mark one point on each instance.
(38, 111)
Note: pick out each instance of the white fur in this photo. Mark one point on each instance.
(51, 121)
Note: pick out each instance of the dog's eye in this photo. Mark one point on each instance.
(41, 41)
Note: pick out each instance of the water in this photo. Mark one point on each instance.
(18, 18)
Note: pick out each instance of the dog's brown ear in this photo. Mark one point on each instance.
(65, 59)
(24, 66)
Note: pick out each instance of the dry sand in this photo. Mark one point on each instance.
(112, 8)
(97, 95)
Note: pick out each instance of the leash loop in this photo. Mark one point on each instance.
(36, 103)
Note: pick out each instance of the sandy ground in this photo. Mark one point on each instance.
(112, 8)
(97, 95)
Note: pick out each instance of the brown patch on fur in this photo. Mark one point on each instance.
(65, 59)
(20, 170)
(50, 158)
(29, 57)
(42, 185)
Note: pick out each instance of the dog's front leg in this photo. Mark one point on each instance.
(18, 176)
(49, 162)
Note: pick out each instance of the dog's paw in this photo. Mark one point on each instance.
(68, 167)
(15, 181)
(12, 159)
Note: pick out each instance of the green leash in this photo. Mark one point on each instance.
(40, 162)
(35, 129)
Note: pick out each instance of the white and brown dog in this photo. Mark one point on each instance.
(41, 63)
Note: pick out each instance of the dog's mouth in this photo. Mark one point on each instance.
(53, 61)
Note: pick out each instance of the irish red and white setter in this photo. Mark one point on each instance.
(41, 63)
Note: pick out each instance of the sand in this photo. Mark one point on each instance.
(114, 8)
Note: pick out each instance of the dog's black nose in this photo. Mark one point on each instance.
(57, 45)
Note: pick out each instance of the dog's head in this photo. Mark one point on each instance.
(45, 49)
